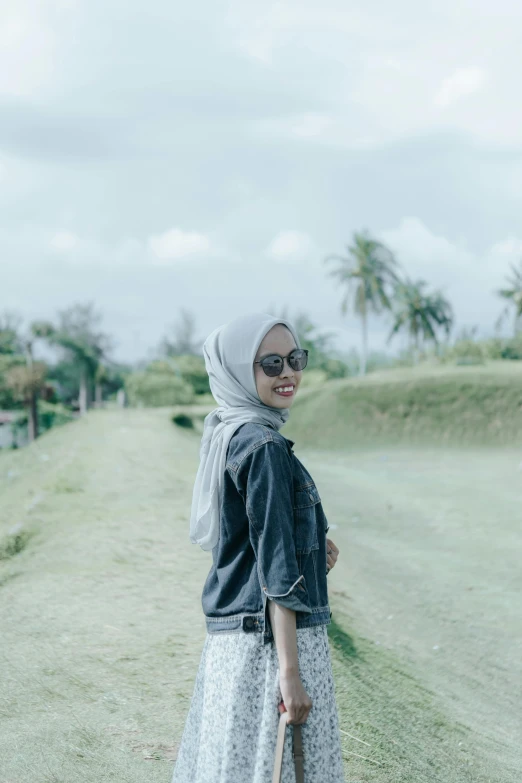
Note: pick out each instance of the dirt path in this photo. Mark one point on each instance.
(102, 625)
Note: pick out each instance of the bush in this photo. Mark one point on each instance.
(468, 350)
(465, 352)
(378, 360)
(188, 367)
(512, 349)
(182, 420)
(193, 370)
(8, 399)
(53, 415)
(335, 368)
(153, 388)
(14, 542)
(49, 415)
(313, 378)
(493, 348)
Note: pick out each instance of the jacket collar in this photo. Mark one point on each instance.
(291, 442)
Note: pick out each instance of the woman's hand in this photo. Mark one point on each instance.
(295, 699)
(332, 553)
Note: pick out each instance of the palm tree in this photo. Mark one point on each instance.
(420, 314)
(77, 334)
(514, 295)
(367, 271)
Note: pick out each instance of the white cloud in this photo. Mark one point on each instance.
(64, 241)
(290, 246)
(464, 81)
(85, 252)
(26, 52)
(441, 262)
(427, 253)
(469, 279)
(510, 248)
(30, 36)
(399, 73)
(177, 244)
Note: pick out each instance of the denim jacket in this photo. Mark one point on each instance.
(272, 540)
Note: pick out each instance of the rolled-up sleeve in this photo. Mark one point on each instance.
(266, 476)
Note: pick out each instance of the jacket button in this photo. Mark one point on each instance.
(248, 622)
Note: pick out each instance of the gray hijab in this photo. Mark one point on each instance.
(229, 353)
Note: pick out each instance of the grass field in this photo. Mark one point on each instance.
(447, 405)
(102, 625)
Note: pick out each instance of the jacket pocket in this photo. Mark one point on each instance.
(306, 499)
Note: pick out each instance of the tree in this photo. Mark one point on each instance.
(420, 314)
(367, 271)
(100, 377)
(513, 294)
(181, 339)
(10, 342)
(78, 335)
(26, 382)
(23, 376)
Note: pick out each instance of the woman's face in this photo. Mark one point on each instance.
(278, 340)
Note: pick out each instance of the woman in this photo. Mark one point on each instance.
(265, 600)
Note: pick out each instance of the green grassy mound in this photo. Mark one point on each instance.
(425, 405)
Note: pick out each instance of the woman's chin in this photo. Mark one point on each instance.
(283, 402)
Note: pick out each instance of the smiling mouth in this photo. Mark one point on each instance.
(285, 393)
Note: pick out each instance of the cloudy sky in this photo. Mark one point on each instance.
(208, 155)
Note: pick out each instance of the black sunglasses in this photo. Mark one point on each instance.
(274, 363)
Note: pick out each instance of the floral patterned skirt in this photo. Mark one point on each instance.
(231, 728)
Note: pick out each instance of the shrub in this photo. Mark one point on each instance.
(52, 415)
(193, 370)
(182, 420)
(335, 368)
(493, 348)
(512, 349)
(465, 352)
(8, 399)
(49, 415)
(313, 378)
(14, 542)
(153, 388)
(188, 367)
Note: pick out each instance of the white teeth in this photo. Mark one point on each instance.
(284, 388)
